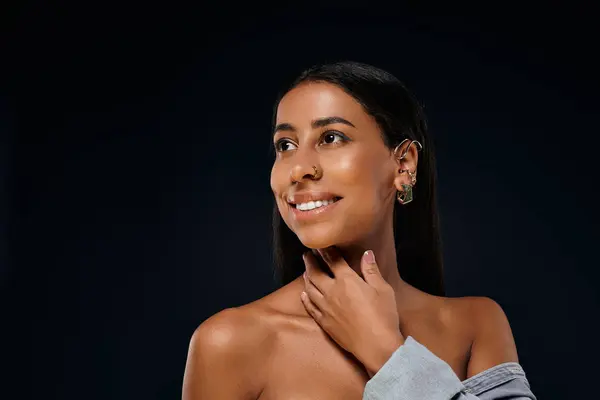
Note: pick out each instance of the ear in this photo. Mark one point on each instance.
(406, 157)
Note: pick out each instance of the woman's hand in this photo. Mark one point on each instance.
(360, 315)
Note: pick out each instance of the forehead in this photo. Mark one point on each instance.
(316, 100)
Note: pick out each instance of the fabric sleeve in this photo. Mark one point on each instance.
(414, 372)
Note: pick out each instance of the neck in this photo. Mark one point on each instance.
(383, 246)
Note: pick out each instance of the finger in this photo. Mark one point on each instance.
(318, 277)
(312, 310)
(314, 294)
(370, 269)
(335, 261)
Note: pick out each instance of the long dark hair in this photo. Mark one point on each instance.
(416, 224)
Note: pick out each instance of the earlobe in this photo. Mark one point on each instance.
(405, 190)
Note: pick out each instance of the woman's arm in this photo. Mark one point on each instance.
(225, 358)
(493, 370)
(493, 342)
(414, 372)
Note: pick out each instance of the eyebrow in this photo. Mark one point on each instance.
(317, 123)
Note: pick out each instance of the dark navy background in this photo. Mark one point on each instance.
(135, 176)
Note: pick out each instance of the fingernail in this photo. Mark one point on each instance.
(369, 257)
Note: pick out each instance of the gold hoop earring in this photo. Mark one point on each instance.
(413, 177)
(317, 174)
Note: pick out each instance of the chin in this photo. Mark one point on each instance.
(319, 238)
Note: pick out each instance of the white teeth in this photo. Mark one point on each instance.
(313, 204)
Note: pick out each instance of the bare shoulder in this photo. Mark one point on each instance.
(231, 328)
(475, 308)
(492, 338)
(485, 315)
(225, 356)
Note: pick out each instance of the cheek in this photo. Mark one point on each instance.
(353, 172)
(278, 186)
(276, 180)
(363, 181)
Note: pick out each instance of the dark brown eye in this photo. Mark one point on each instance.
(330, 137)
(282, 145)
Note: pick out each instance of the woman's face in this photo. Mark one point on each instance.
(318, 124)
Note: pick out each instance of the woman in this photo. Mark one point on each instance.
(351, 143)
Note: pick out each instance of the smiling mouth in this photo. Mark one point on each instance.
(313, 205)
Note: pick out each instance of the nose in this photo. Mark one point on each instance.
(301, 172)
(305, 168)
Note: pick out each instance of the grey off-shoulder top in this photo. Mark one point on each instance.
(414, 373)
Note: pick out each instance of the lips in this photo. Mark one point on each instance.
(307, 214)
(306, 197)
